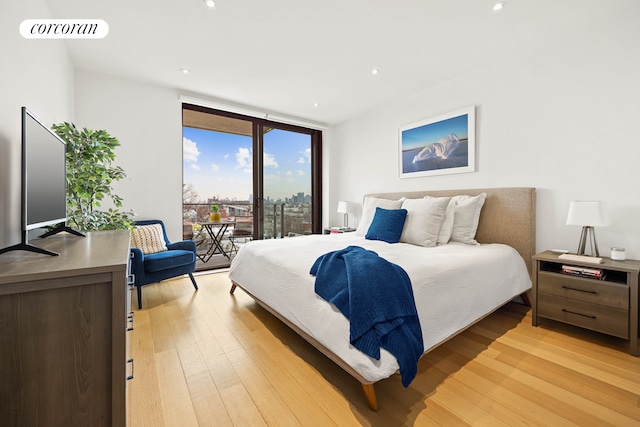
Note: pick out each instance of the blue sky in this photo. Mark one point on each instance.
(219, 164)
(424, 135)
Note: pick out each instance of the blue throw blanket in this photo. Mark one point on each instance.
(377, 298)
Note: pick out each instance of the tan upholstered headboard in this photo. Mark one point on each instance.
(508, 215)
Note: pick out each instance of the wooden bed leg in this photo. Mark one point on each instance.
(370, 394)
(233, 288)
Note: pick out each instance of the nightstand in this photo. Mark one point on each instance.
(608, 305)
(338, 230)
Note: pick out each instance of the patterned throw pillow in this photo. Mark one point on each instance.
(148, 238)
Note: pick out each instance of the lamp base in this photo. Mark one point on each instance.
(346, 220)
(588, 233)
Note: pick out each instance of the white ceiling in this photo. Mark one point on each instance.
(282, 56)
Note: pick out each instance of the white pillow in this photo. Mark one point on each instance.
(447, 224)
(466, 217)
(369, 210)
(424, 220)
(148, 238)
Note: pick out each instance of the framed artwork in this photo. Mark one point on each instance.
(440, 145)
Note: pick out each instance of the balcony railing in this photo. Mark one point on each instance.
(280, 219)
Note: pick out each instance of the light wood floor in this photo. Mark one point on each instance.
(208, 358)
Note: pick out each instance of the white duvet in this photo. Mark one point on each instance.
(454, 285)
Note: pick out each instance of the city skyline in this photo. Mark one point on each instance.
(219, 165)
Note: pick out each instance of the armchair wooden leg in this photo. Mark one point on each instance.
(193, 280)
(139, 288)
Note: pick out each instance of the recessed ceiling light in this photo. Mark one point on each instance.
(498, 6)
(315, 104)
(374, 71)
(184, 70)
(210, 3)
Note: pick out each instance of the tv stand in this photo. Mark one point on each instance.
(60, 228)
(23, 246)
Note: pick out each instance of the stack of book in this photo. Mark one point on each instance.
(338, 230)
(594, 273)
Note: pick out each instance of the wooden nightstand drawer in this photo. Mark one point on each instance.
(589, 290)
(596, 317)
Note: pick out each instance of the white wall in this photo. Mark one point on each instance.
(562, 118)
(37, 74)
(147, 120)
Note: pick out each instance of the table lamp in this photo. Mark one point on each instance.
(343, 207)
(588, 215)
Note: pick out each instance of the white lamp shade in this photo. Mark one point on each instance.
(343, 207)
(592, 214)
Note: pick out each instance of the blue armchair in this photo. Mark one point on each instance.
(178, 259)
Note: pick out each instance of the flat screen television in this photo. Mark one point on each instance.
(44, 174)
(44, 183)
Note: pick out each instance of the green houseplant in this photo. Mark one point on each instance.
(90, 175)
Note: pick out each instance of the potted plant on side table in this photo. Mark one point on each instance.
(214, 215)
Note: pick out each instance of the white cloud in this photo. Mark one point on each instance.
(307, 154)
(270, 160)
(243, 157)
(300, 172)
(195, 166)
(300, 161)
(289, 173)
(272, 178)
(190, 151)
(214, 167)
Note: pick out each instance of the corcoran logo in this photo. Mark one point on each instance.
(64, 29)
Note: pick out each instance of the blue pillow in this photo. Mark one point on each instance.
(387, 225)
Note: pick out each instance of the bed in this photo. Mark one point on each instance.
(455, 285)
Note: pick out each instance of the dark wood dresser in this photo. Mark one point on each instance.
(63, 332)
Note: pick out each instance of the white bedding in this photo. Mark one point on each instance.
(454, 285)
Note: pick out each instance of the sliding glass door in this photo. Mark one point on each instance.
(262, 175)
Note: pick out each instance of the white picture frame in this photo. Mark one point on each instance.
(440, 145)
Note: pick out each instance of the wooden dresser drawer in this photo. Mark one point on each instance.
(609, 320)
(593, 291)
